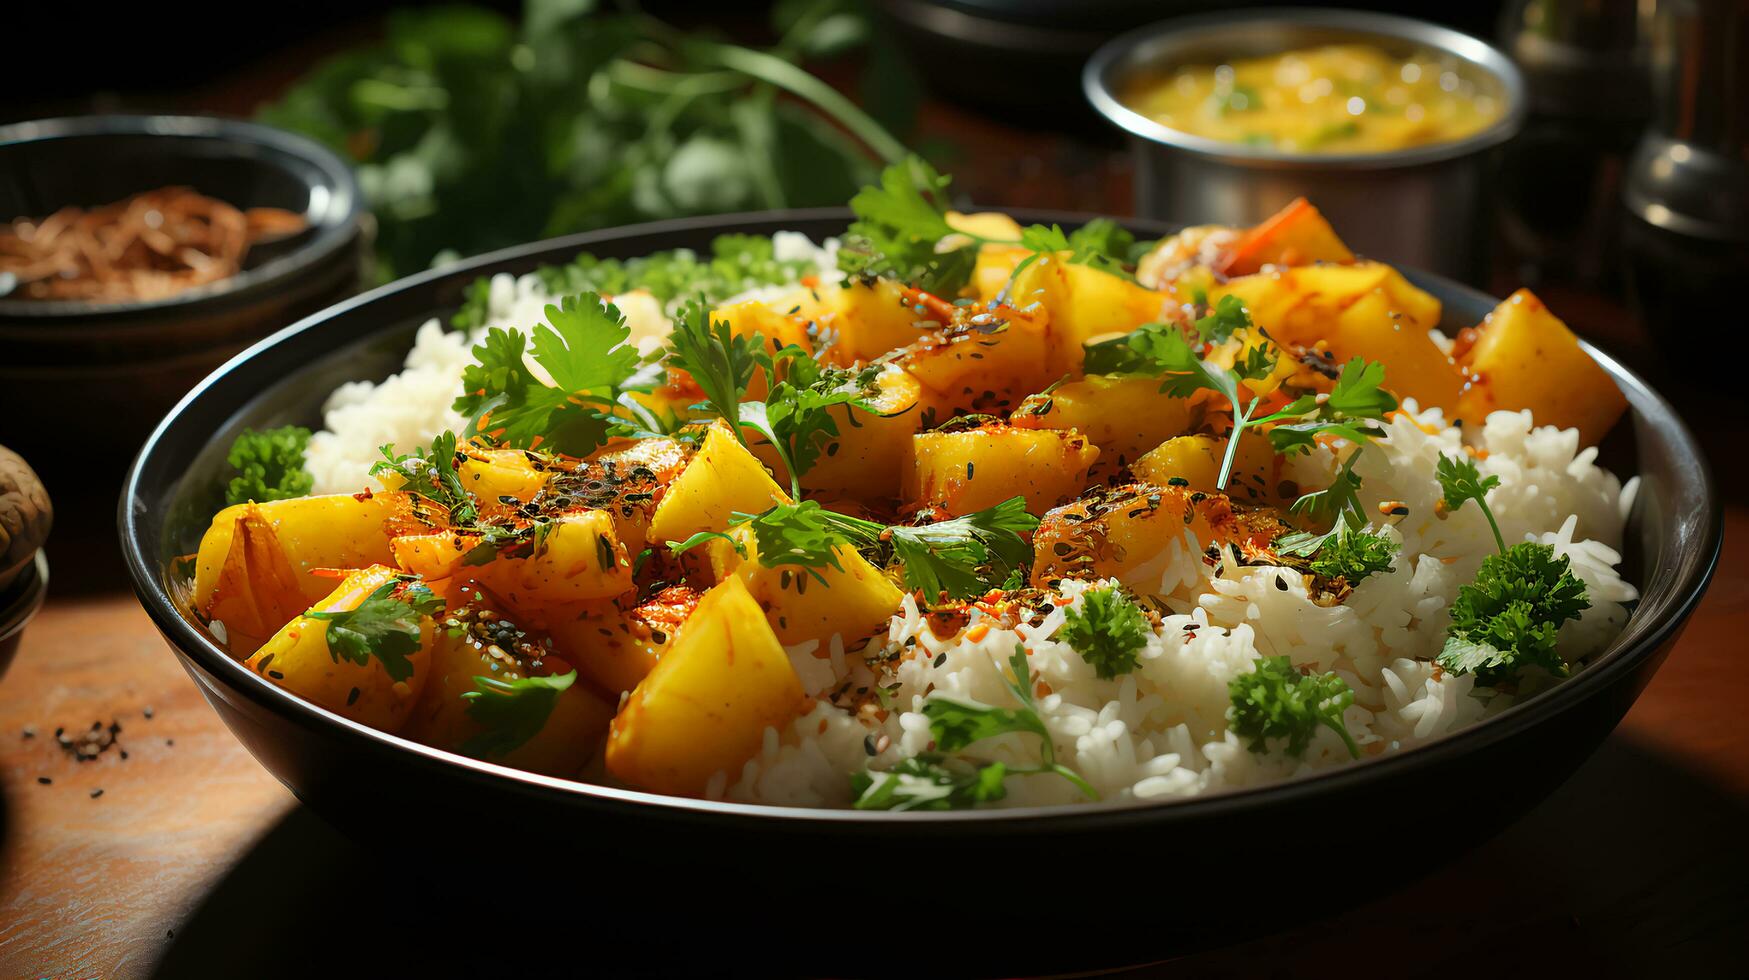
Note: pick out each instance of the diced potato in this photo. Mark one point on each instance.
(1196, 460)
(434, 556)
(988, 362)
(721, 479)
(1084, 302)
(1362, 310)
(1525, 357)
(625, 480)
(963, 471)
(1124, 416)
(579, 558)
(1128, 533)
(614, 649)
(574, 729)
(1295, 235)
(868, 319)
(495, 474)
(863, 461)
(257, 563)
(1415, 367)
(853, 603)
(1175, 262)
(777, 327)
(705, 707)
(298, 659)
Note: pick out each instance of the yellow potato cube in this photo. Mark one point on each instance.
(1525, 357)
(706, 705)
(299, 659)
(960, 472)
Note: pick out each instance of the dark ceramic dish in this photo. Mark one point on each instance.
(728, 862)
(105, 370)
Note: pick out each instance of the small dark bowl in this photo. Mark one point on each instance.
(19, 603)
(820, 876)
(103, 371)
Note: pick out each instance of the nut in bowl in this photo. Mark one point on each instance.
(912, 528)
(1385, 122)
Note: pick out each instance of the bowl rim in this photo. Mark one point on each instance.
(343, 211)
(1112, 58)
(190, 643)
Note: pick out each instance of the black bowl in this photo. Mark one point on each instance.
(724, 862)
(102, 372)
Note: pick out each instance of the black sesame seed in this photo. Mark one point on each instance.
(96, 793)
(868, 745)
(352, 697)
(44, 780)
(940, 658)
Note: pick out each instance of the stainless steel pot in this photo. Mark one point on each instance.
(1424, 206)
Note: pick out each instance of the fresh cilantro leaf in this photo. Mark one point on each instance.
(719, 362)
(1509, 618)
(1221, 322)
(1103, 242)
(957, 723)
(511, 712)
(929, 781)
(965, 556)
(385, 626)
(583, 347)
(1460, 480)
(1349, 411)
(1353, 555)
(1277, 701)
(899, 225)
(1107, 630)
(269, 465)
(431, 475)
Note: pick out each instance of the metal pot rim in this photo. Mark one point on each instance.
(1113, 58)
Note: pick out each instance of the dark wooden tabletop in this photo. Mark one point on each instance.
(194, 861)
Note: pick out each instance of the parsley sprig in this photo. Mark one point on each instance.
(584, 347)
(269, 465)
(1277, 701)
(1107, 630)
(1509, 619)
(511, 713)
(957, 724)
(384, 626)
(901, 232)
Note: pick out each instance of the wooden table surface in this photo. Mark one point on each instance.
(194, 861)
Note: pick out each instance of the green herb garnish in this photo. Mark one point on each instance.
(1509, 618)
(269, 464)
(957, 724)
(583, 347)
(929, 781)
(384, 626)
(1107, 630)
(511, 712)
(1278, 701)
(431, 475)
